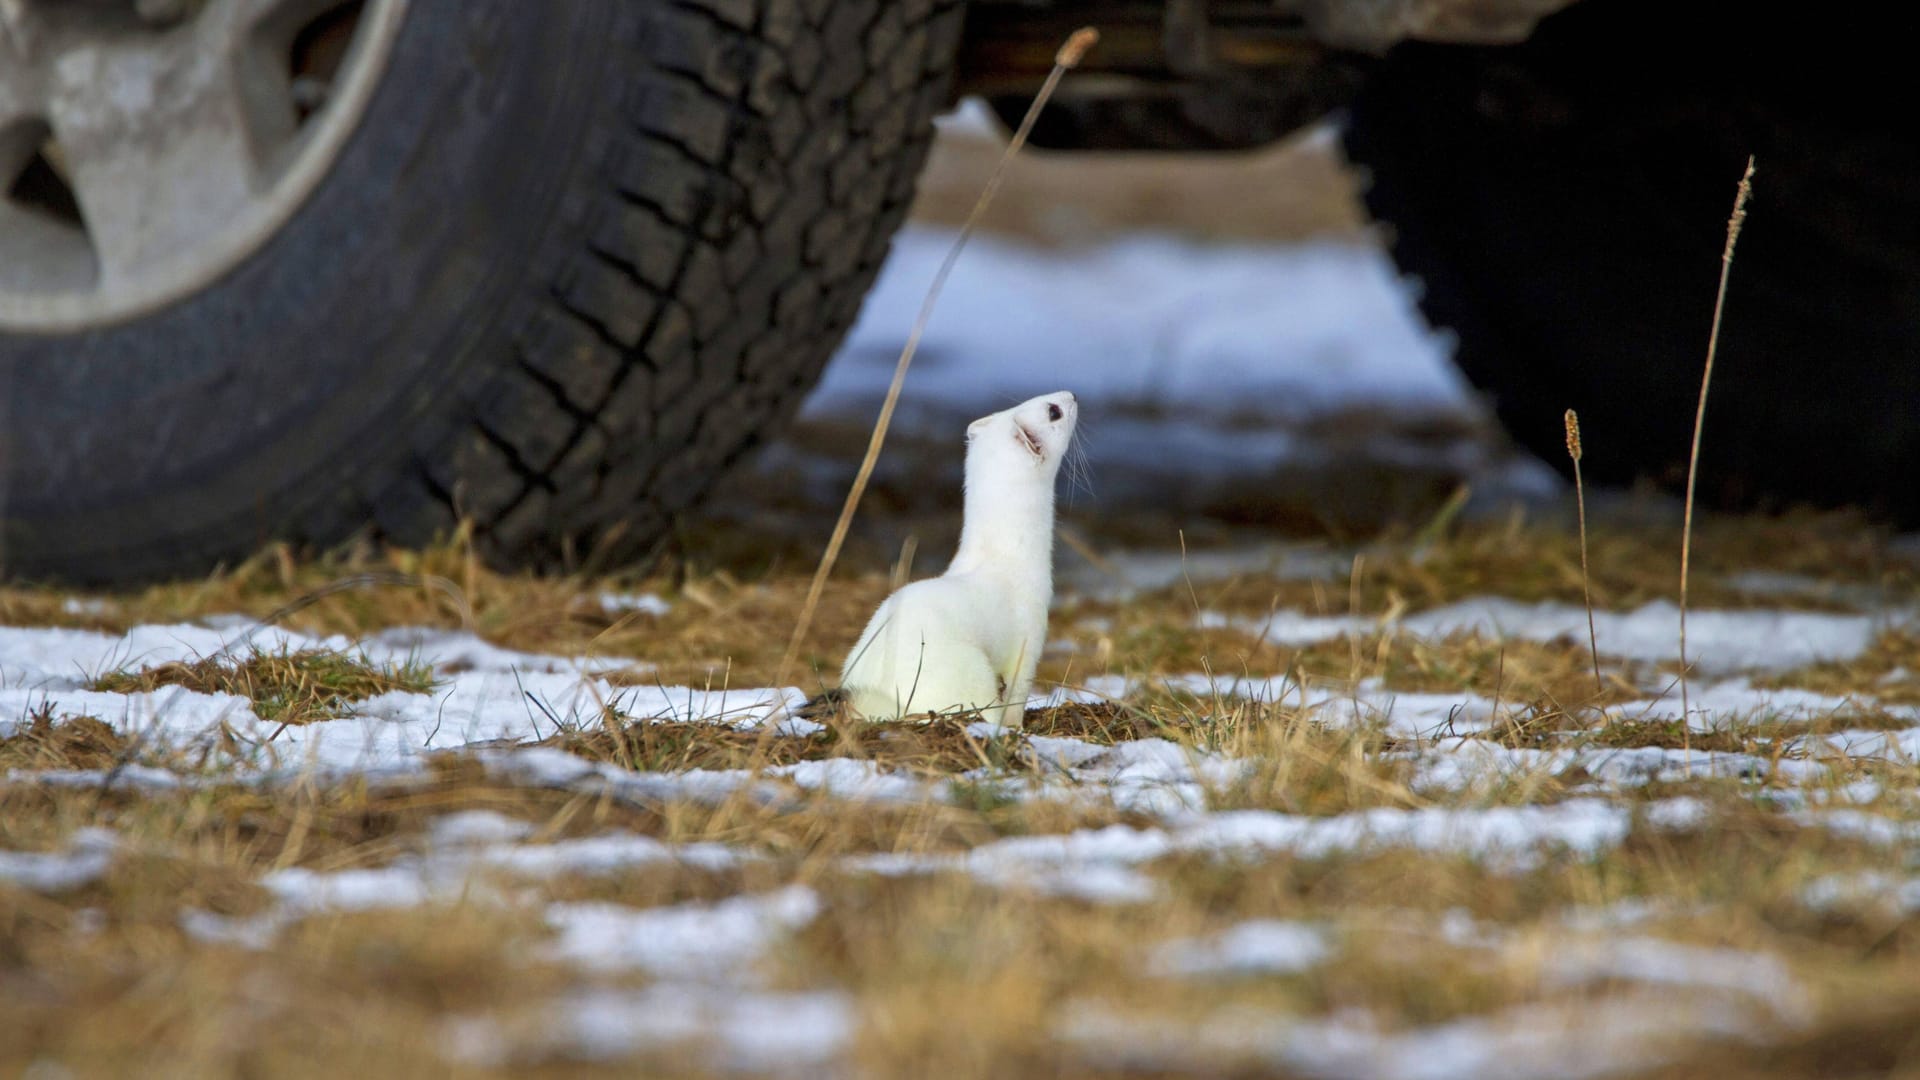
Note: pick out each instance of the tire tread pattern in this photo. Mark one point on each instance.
(735, 199)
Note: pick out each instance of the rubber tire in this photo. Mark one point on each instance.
(575, 261)
(1564, 204)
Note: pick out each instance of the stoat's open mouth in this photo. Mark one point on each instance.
(1029, 440)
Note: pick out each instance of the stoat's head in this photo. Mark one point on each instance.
(1032, 435)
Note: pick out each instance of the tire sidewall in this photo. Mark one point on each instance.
(345, 327)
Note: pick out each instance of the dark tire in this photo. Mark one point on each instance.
(576, 260)
(1564, 203)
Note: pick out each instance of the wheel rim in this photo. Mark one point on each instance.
(147, 147)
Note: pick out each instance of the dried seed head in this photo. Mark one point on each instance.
(1573, 435)
(1739, 215)
(1076, 47)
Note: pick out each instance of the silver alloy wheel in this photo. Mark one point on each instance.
(148, 147)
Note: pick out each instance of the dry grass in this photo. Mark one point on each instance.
(940, 747)
(942, 971)
(1629, 567)
(300, 686)
(726, 629)
(718, 624)
(362, 993)
(50, 740)
(972, 981)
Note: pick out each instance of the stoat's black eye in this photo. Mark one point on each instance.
(1053, 412)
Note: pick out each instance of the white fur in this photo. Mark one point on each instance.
(970, 639)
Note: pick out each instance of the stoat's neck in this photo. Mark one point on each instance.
(1008, 531)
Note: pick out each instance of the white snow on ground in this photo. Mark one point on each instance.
(454, 651)
(89, 855)
(1403, 714)
(1196, 363)
(1511, 837)
(464, 848)
(1718, 641)
(1548, 1041)
(1229, 330)
(486, 695)
(717, 941)
(1128, 572)
(1684, 990)
(128, 777)
(491, 695)
(1462, 764)
(1653, 961)
(800, 1033)
(61, 659)
(171, 714)
(1151, 776)
(49, 658)
(851, 779)
(1889, 745)
(1863, 826)
(1872, 890)
(603, 855)
(644, 603)
(1254, 947)
(1713, 706)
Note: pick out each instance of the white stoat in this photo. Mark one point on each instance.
(970, 639)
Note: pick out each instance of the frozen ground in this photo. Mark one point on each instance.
(704, 966)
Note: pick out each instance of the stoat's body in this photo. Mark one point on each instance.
(969, 640)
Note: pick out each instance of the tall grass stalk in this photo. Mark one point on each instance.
(1065, 60)
(1574, 451)
(1734, 221)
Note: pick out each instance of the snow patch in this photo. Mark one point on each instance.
(1254, 947)
(687, 941)
(88, 856)
(1718, 641)
(800, 1033)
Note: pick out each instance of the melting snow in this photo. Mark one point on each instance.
(644, 603)
(1548, 1042)
(89, 855)
(1654, 961)
(1718, 641)
(743, 1030)
(1867, 889)
(1255, 947)
(697, 941)
(1150, 319)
